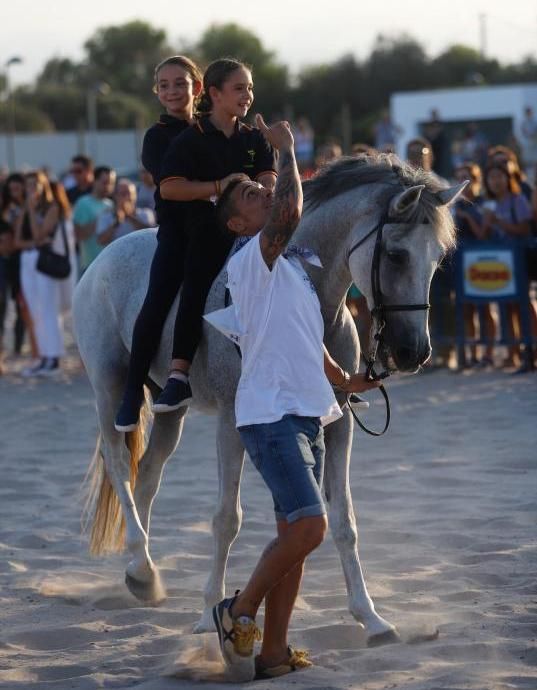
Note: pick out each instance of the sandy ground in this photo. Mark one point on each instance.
(447, 511)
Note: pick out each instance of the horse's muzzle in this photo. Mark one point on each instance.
(407, 357)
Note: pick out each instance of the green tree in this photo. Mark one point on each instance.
(395, 64)
(271, 79)
(63, 72)
(66, 107)
(461, 65)
(323, 90)
(125, 56)
(524, 71)
(28, 118)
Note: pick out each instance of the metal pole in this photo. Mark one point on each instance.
(91, 108)
(483, 35)
(10, 138)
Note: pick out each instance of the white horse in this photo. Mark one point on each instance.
(342, 205)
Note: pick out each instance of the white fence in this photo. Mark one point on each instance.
(118, 148)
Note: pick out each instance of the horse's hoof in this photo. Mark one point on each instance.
(205, 623)
(152, 592)
(388, 637)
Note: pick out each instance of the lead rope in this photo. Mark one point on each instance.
(378, 319)
(371, 375)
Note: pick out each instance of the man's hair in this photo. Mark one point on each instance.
(84, 161)
(102, 170)
(225, 208)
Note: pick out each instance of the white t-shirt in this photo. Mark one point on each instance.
(106, 218)
(279, 317)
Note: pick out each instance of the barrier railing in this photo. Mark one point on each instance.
(496, 272)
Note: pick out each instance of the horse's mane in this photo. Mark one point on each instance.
(391, 175)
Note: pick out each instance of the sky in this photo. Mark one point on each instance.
(300, 32)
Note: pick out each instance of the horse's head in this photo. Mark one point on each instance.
(387, 226)
(394, 266)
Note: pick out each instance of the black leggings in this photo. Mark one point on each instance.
(193, 259)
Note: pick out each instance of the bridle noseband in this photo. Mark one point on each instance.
(378, 315)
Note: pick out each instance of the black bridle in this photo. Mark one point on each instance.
(379, 322)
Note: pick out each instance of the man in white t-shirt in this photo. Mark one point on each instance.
(283, 399)
(125, 217)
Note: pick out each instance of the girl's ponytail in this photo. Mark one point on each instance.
(204, 105)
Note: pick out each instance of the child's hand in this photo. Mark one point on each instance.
(230, 178)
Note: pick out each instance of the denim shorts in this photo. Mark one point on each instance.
(289, 454)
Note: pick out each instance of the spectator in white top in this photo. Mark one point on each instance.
(124, 217)
(283, 399)
(145, 190)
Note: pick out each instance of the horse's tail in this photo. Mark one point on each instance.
(107, 531)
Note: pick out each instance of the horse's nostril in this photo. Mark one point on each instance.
(405, 355)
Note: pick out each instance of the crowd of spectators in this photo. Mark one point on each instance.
(75, 217)
(91, 207)
(499, 205)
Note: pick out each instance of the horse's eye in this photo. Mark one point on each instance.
(399, 257)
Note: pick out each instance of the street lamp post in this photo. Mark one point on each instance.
(100, 88)
(10, 138)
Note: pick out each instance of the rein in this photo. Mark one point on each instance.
(379, 321)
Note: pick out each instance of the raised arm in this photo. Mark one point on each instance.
(287, 203)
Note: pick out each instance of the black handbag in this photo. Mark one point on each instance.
(53, 264)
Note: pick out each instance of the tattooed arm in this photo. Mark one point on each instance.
(287, 203)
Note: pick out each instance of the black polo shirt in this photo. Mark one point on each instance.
(74, 193)
(204, 153)
(157, 139)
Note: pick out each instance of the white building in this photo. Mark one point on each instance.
(498, 110)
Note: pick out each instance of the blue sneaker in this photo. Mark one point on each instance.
(128, 416)
(175, 394)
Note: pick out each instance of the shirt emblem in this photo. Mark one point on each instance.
(251, 154)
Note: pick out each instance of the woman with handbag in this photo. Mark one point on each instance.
(12, 204)
(42, 234)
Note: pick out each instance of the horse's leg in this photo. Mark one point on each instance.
(142, 575)
(343, 526)
(228, 516)
(164, 438)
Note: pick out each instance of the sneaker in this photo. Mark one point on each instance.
(175, 394)
(48, 366)
(357, 402)
(236, 637)
(128, 416)
(51, 366)
(297, 659)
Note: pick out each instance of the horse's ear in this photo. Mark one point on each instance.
(449, 195)
(406, 201)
